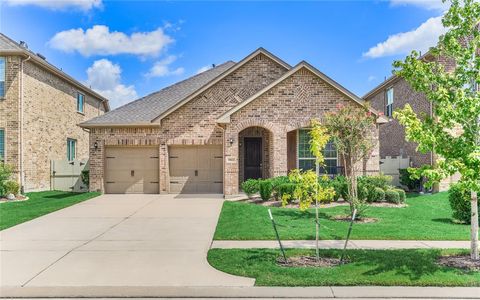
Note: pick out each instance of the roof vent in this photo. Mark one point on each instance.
(41, 56)
(213, 66)
(23, 44)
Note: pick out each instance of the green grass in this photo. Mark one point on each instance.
(426, 217)
(367, 267)
(39, 204)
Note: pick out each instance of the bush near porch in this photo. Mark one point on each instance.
(425, 217)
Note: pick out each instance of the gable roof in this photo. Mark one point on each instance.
(236, 67)
(10, 47)
(225, 118)
(144, 110)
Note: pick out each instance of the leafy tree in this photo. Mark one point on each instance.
(351, 129)
(453, 132)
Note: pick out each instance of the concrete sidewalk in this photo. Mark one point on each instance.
(338, 244)
(369, 292)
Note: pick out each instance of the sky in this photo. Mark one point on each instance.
(127, 49)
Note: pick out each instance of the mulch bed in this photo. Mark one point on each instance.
(17, 198)
(357, 220)
(310, 261)
(277, 203)
(463, 262)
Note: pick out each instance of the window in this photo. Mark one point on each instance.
(2, 77)
(80, 102)
(71, 149)
(306, 159)
(2, 145)
(389, 102)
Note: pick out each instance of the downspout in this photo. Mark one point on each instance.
(22, 174)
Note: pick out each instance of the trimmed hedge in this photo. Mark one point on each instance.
(392, 196)
(266, 189)
(376, 195)
(250, 187)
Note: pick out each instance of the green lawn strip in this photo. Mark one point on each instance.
(39, 204)
(426, 217)
(413, 267)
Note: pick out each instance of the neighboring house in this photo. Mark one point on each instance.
(210, 132)
(390, 95)
(40, 107)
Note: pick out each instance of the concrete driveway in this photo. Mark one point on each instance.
(117, 240)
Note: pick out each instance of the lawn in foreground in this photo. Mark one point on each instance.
(39, 204)
(367, 267)
(427, 217)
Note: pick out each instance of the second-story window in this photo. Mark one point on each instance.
(80, 102)
(389, 102)
(2, 77)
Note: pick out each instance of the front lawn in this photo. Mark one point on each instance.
(367, 267)
(427, 217)
(39, 204)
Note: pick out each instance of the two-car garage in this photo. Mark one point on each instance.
(192, 169)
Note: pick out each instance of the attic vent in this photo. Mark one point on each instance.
(23, 44)
(213, 66)
(41, 56)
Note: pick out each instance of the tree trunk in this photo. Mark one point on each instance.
(474, 227)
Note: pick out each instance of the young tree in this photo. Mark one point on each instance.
(351, 129)
(453, 132)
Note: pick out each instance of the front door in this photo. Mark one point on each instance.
(253, 158)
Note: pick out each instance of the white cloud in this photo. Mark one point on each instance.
(162, 68)
(371, 78)
(425, 4)
(105, 78)
(98, 40)
(58, 4)
(203, 69)
(420, 39)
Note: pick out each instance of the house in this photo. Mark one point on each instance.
(210, 132)
(40, 107)
(395, 152)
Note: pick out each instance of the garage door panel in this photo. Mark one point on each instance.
(131, 170)
(196, 169)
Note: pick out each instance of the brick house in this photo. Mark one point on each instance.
(40, 107)
(210, 132)
(394, 93)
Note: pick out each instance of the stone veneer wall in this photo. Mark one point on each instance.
(10, 114)
(49, 118)
(289, 105)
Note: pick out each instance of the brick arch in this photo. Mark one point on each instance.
(298, 124)
(255, 123)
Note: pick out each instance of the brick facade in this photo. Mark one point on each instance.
(285, 108)
(49, 117)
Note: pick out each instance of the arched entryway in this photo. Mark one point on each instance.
(255, 150)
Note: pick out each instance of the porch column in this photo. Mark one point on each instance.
(230, 162)
(279, 150)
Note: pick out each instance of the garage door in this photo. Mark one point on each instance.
(131, 170)
(196, 169)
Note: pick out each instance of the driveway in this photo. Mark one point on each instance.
(117, 240)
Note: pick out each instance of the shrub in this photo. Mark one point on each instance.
(380, 181)
(250, 187)
(11, 187)
(286, 189)
(376, 195)
(401, 194)
(459, 198)
(340, 185)
(266, 188)
(86, 177)
(392, 196)
(363, 191)
(5, 173)
(276, 182)
(406, 180)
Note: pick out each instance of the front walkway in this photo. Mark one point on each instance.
(338, 244)
(116, 240)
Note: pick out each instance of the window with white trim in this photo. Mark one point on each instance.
(71, 149)
(2, 76)
(80, 102)
(389, 102)
(306, 159)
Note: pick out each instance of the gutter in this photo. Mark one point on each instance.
(22, 172)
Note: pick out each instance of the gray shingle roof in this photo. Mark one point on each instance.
(6, 44)
(146, 109)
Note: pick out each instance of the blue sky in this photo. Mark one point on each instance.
(127, 49)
